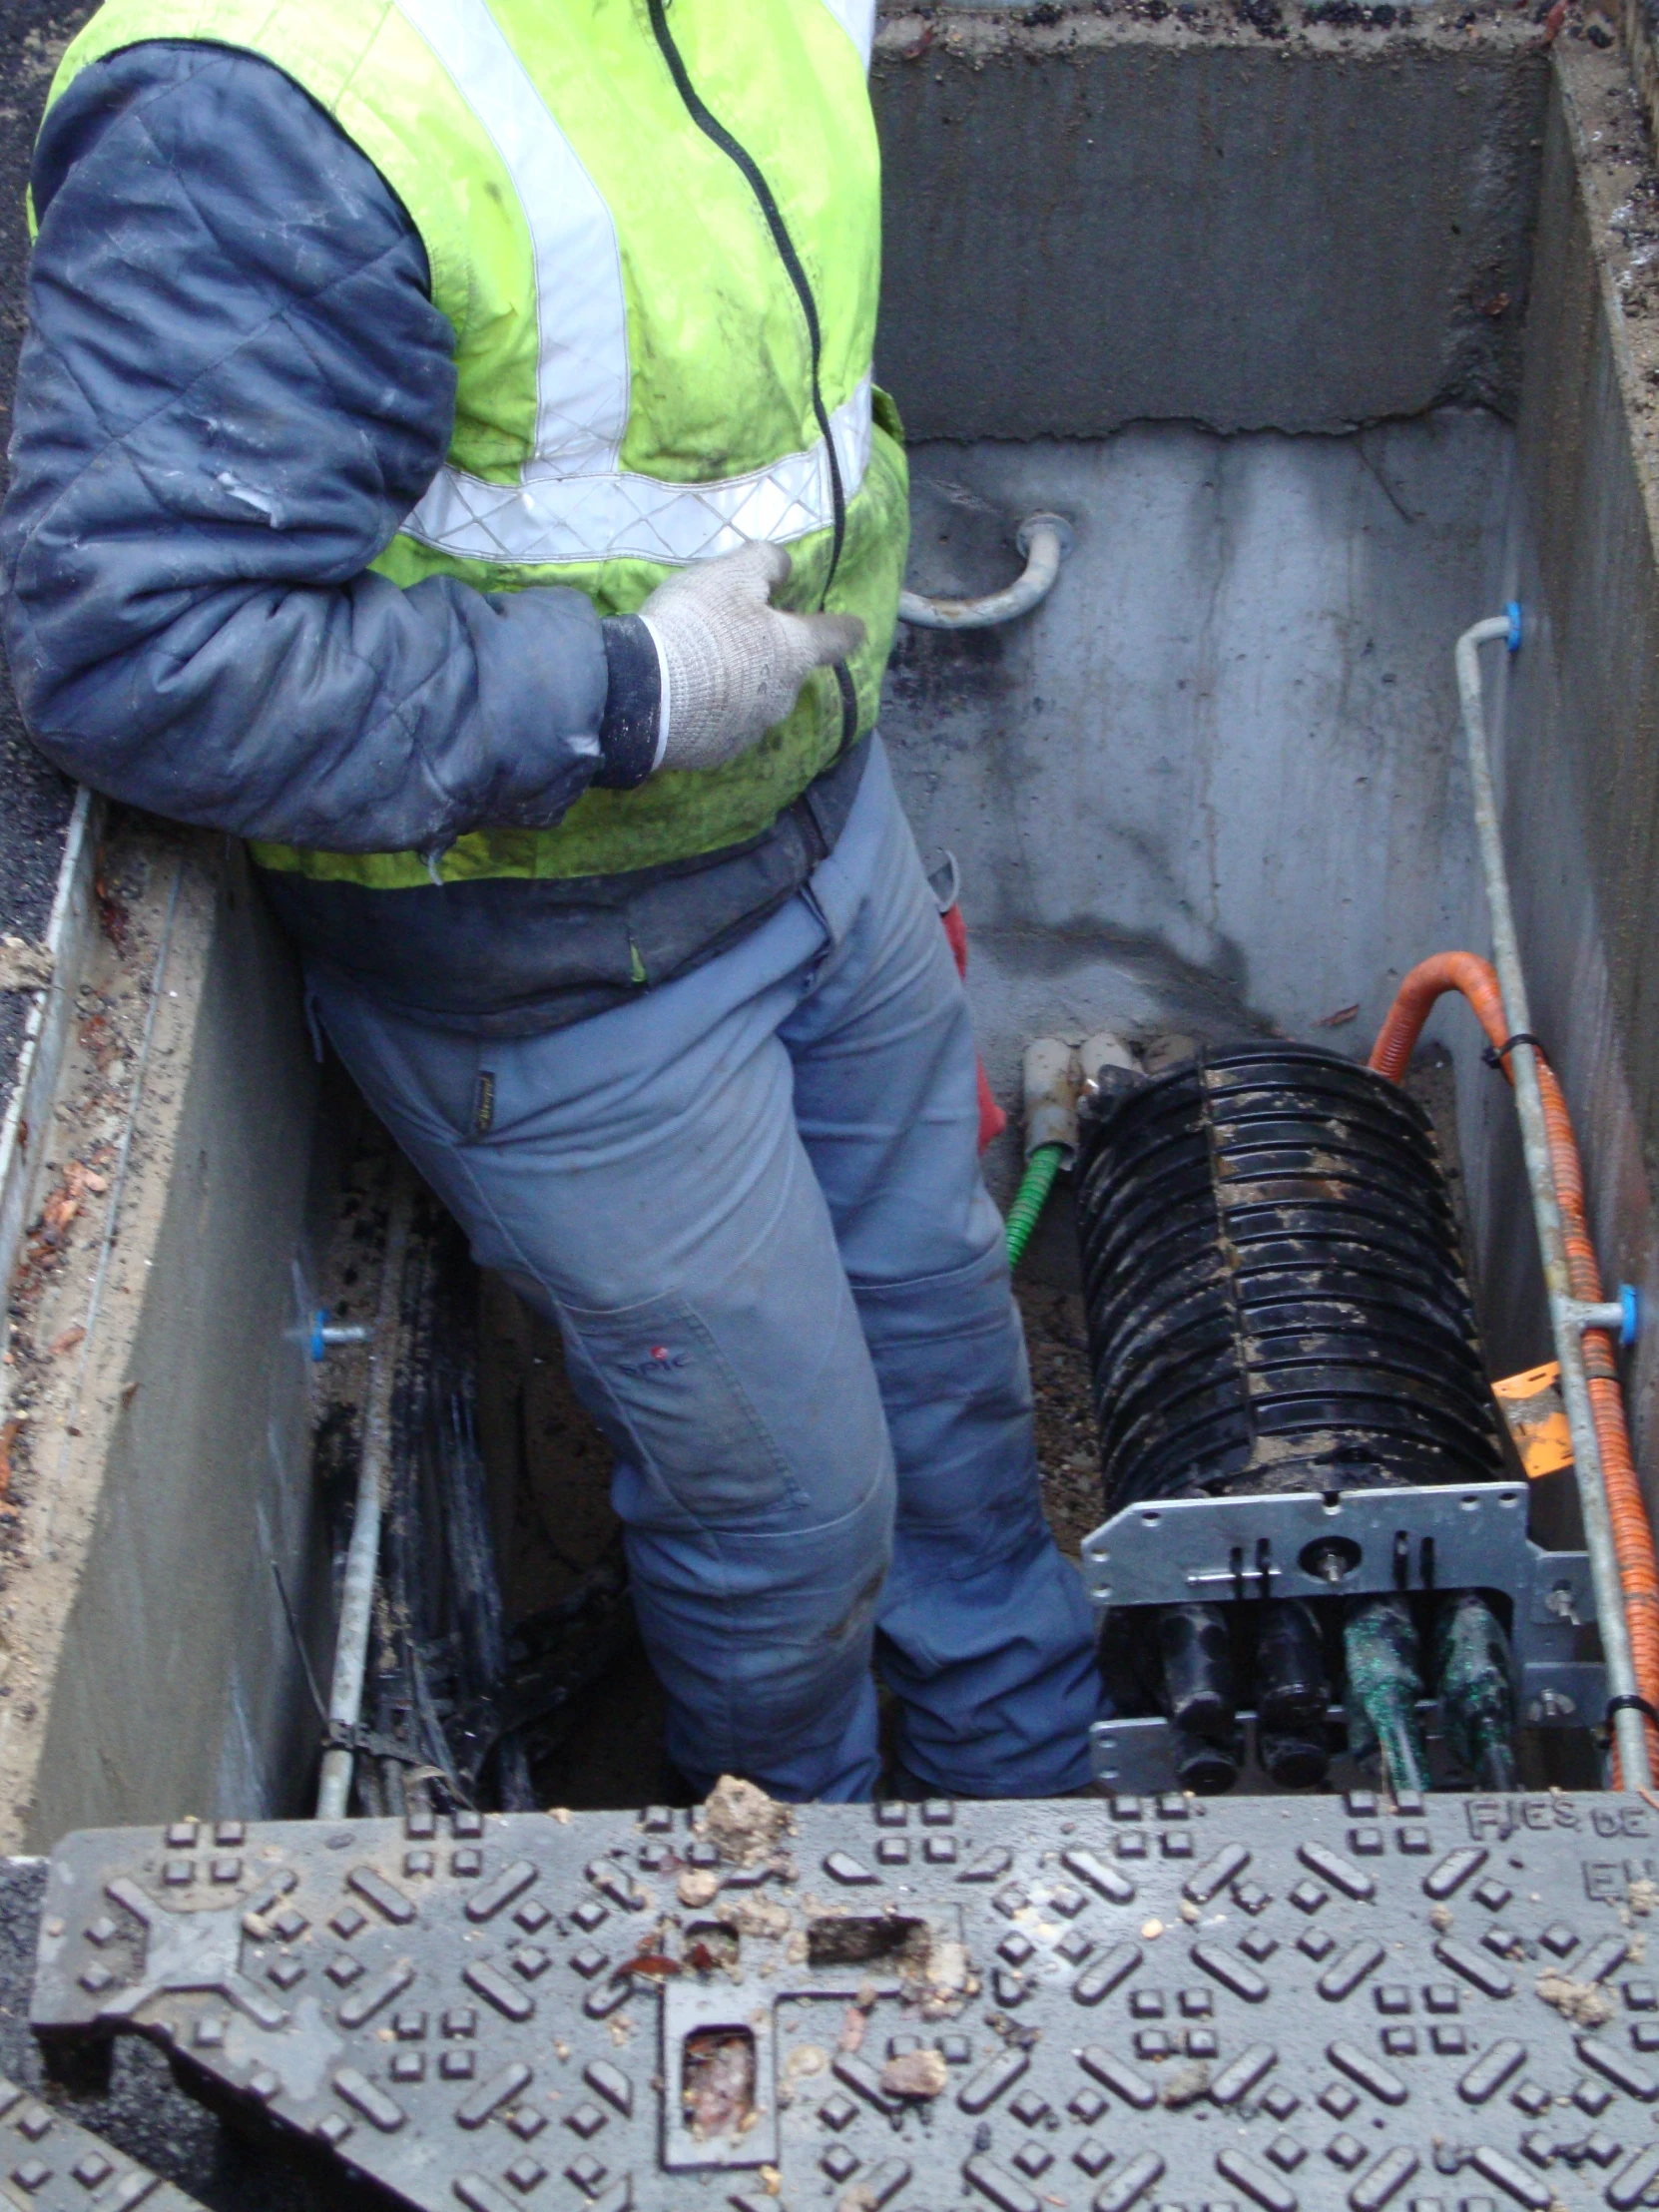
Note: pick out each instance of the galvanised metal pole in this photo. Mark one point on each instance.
(363, 1557)
(1566, 1315)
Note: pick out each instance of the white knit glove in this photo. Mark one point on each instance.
(732, 663)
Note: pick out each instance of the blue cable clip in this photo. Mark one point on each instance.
(1631, 1300)
(325, 1334)
(1513, 611)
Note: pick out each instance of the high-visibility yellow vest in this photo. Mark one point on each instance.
(655, 227)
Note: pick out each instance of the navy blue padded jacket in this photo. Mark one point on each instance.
(234, 386)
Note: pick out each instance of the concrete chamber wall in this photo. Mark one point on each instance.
(162, 1472)
(178, 1684)
(1580, 715)
(1212, 785)
(1103, 216)
(1358, 323)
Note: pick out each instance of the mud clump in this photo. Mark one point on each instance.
(916, 2074)
(742, 1822)
(718, 2090)
(1186, 2085)
(760, 1916)
(1582, 2002)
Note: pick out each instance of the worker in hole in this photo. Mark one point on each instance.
(446, 457)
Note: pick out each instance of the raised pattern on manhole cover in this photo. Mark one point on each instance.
(53, 2165)
(1313, 2003)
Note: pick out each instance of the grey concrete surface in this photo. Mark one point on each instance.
(1214, 783)
(1102, 219)
(173, 1681)
(1187, 796)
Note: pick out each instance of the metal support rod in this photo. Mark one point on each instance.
(1564, 1310)
(1608, 1316)
(326, 1334)
(346, 1694)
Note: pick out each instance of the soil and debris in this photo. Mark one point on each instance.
(1076, 28)
(81, 1251)
(47, 1303)
(32, 826)
(1068, 1455)
(742, 1822)
(24, 966)
(1585, 2003)
(697, 1888)
(1186, 2084)
(718, 2090)
(751, 1916)
(916, 2074)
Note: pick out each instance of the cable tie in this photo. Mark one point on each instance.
(1494, 1053)
(1632, 1703)
(358, 1737)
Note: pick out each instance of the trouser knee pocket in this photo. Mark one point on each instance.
(677, 1410)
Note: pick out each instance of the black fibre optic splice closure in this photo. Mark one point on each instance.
(1270, 2003)
(1276, 1296)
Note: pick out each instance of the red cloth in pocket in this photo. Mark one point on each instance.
(993, 1120)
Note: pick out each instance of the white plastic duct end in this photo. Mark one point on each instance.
(1053, 1082)
(1105, 1049)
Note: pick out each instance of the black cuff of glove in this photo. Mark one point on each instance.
(633, 704)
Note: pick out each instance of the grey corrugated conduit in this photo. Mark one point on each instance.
(1044, 539)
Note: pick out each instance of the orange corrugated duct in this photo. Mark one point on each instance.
(1632, 1533)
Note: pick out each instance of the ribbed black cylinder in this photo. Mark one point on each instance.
(1276, 1299)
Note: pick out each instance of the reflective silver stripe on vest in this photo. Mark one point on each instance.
(582, 378)
(552, 516)
(858, 19)
(572, 502)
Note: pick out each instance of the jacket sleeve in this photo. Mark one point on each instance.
(234, 386)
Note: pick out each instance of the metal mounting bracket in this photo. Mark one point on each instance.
(1349, 1544)
(1301, 1543)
